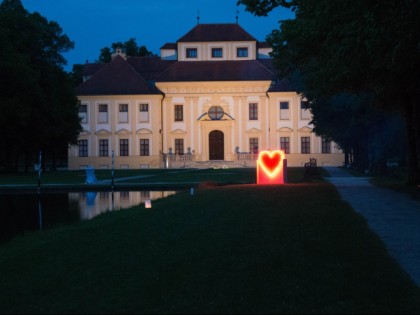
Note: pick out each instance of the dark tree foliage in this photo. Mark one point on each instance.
(353, 47)
(130, 48)
(39, 108)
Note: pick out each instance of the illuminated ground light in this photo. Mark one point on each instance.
(270, 167)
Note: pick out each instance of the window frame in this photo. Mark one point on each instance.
(305, 145)
(179, 146)
(178, 112)
(102, 109)
(144, 147)
(253, 111)
(103, 147)
(325, 146)
(242, 52)
(124, 147)
(83, 114)
(191, 53)
(217, 52)
(123, 113)
(83, 146)
(253, 145)
(144, 108)
(305, 113)
(285, 144)
(284, 112)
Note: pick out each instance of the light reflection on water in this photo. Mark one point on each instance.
(92, 204)
(24, 212)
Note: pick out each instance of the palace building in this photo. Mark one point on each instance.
(211, 96)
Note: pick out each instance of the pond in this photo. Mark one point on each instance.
(23, 212)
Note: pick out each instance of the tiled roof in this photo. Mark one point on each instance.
(116, 78)
(283, 85)
(89, 69)
(169, 46)
(187, 71)
(149, 67)
(216, 33)
(268, 63)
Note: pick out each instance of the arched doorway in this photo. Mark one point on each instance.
(216, 145)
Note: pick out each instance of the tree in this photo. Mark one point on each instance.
(354, 46)
(130, 48)
(38, 103)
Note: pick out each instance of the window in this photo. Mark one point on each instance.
(242, 52)
(83, 113)
(123, 147)
(179, 146)
(123, 113)
(306, 145)
(253, 145)
(179, 113)
(284, 111)
(253, 111)
(285, 144)
(191, 52)
(103, 113)
(144, 147)
(83, 148)
(326, 146)
(304, 110)
(103, 147)
(216, 113)
(144, 112)
(217, 52)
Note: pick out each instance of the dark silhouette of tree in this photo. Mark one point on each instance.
(39, 108)
(353, 46)
(130, 48)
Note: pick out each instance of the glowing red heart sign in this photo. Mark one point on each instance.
(270, 167)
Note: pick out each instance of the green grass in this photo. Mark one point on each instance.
(219, 176)
(293, 248)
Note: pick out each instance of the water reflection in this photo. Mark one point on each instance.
(92, 204)
(21, 212)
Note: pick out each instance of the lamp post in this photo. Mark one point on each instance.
(39, 189)
(112, 171)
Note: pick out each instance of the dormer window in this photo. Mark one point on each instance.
(217, 53)
(242, 52)
(191, 52)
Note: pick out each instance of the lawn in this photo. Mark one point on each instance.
(294, 248)
(144, 176)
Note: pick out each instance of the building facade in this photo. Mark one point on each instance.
(211, 96)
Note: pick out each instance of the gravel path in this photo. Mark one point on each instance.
(393, 216)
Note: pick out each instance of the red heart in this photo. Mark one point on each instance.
(271, 161)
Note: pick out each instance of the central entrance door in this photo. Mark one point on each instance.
(216, 145)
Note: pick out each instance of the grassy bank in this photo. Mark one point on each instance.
(295, 248)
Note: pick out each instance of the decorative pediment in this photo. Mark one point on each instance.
(102, 132)
(178, 131)
(123, 132)
(143, 131)
(285, 129)
(253, 130)
(305, 129)
(85, 132)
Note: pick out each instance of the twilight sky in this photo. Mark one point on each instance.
(94, 24)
